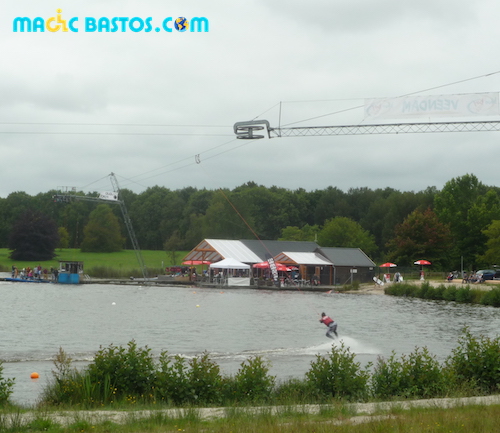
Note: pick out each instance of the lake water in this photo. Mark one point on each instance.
(231, 324)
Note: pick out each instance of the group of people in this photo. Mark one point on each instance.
(28, 273)
(467, 278)
(37, 273)
(472, 278)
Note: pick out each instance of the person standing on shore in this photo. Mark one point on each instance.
(331, 324)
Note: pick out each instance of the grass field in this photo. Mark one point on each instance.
(123, 261)
(467, 419)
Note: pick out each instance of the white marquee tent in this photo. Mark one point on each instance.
(237, 273)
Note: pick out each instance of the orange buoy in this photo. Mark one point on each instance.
(35, 375)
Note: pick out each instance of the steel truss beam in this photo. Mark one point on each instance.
(246, 130)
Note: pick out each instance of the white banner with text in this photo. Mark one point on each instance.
(411, 107)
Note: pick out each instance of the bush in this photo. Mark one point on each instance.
(464, 295)
(450, 293)
(401, 289)
(439, 292)
(115, 374)
(205, 380)
(422, 291)
(386, 377)
(5, 387)
(129, 375)
(491, 298)
(418, 375)
(337, 375)
(476, 361)
(172, 383)
(195, 382)
(446, 292)
(252, 383)
(120, 373)
(67, 387)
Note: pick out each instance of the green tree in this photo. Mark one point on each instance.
(74, 216)
(172, 246)
(330, 203)
(63, 237)
(102, 234)
(492, 254)
(421, 236)
(147, 213)
(390, 208)
(228, 219)
(191, 224)
(264, 206)
(157, 213)
(468, 206)
(359, 201)
(11, 209)
(4, 224)
(194, 234)
(306, 233)
(344, 232)
(34, 237)
(485, 210)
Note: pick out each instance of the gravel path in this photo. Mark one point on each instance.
(363, 412)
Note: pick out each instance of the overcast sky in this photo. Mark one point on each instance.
(76, 106)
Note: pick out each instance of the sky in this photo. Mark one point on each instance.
(158, 107)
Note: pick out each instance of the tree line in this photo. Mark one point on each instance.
(460, 222)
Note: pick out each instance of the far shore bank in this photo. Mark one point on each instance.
(366, 288)
(376, 289)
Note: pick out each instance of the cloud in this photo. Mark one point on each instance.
(362, 17)
(144, 104)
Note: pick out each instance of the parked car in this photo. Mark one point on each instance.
(488, 274)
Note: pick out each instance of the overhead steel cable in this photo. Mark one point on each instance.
(112, 133)
(400, 96)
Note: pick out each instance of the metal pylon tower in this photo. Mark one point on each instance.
(130, 228)
(116, 199)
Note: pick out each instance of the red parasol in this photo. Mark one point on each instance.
(388, 265)
(422, 263)
(265, 265)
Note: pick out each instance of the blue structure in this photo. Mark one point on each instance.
(70, 272)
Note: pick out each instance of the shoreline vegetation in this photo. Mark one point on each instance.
(122, 264)
(485, 294)
(172, 391)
